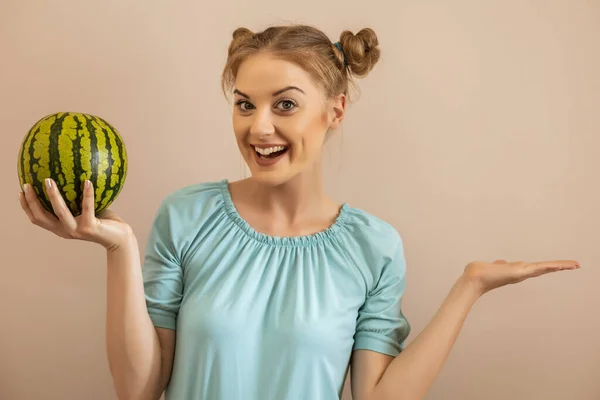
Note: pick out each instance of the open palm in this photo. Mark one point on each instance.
(489, 276)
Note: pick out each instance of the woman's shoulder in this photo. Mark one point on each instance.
(192, 202)
(195, 195)
(366, 223)
(375, 236)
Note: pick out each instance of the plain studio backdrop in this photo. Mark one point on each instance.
(476, 137)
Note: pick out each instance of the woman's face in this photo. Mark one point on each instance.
(281, 118)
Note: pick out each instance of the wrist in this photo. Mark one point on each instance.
(469, 286)
(125, 244)
(123, 258)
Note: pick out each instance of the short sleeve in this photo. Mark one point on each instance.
(381, 325)
(162, 272)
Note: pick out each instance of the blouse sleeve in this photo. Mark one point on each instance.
(381, 325)
(162, 272)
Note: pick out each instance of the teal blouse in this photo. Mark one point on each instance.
(260, 317)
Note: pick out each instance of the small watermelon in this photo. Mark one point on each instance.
(71, 147)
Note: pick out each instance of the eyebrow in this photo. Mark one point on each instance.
(285, 89)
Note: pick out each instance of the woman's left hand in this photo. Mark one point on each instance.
(488, 276)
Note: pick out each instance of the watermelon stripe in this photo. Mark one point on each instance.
(28, 158)
(20, 164)
(118, 174)
(122, 170)
(41, 163)
(23, 154)
(93, 172)
(39, 142)
(104, 163)
(109, 152)
(20, 168)
(78, 157)
(85, 149)
(107, 193)
(66, 136)
(55, 131)
(117, 167)
(52, 132)
(41, 153)
(113, 152)
(32, 174)
(114, 192)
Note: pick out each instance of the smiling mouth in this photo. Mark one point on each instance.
(270, 152)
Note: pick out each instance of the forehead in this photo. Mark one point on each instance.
(263, 74)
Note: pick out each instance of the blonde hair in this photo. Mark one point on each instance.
(309, 48)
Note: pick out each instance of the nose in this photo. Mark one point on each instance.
(262, 124)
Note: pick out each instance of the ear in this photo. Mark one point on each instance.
(337, 109)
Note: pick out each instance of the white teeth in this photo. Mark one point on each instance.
(269, 150)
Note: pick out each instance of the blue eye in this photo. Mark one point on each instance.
(239, 104)
(290, 104)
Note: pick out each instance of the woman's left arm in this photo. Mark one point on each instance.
(409, 376)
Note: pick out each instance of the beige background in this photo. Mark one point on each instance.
(476, 136)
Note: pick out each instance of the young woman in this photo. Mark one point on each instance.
(266, 288)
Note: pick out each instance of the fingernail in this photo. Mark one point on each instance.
(26, 188)
(48, 183)
(87, 184)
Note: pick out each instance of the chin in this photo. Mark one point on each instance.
(268, 172)
(269, 178)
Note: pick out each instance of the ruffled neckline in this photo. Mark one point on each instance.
(304, 240)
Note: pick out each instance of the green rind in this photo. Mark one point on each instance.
(75, 147)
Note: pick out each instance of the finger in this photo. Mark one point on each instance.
(546, 267)
(88, 214)
(500, 262)
(555, 265)
(39, 215)
(60, 207)
(25, 206)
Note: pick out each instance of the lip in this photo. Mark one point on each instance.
(266, 146)
(269, 161)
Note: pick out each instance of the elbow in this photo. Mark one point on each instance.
(395, 395)
(136, 389)
(136, 394)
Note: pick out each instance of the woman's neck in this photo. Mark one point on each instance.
(296, 207)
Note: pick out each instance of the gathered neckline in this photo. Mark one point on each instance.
(303, 240)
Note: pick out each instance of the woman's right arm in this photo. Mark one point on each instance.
(140, 356)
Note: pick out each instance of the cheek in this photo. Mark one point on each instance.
(309, 139)
(239, 129)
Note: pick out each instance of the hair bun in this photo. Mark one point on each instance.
(239, 37)
(361, 50)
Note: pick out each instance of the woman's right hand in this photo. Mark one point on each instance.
(110, 231)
